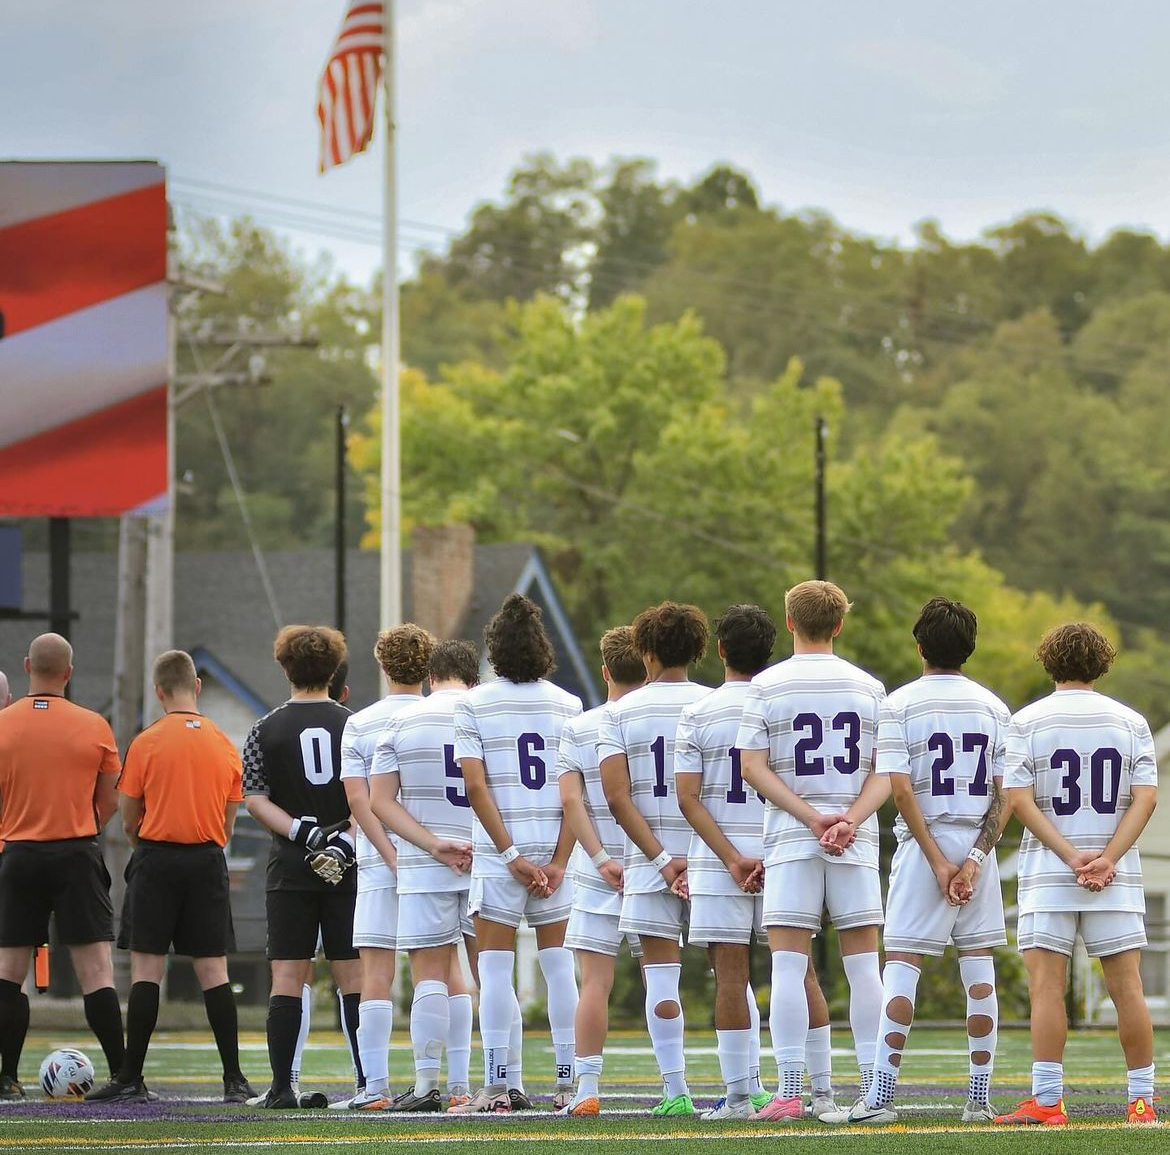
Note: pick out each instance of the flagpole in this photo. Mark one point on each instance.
(391, 583)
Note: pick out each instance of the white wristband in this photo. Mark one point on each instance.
(977, 856)
(510, 855)
(662, 860)
(601, 856)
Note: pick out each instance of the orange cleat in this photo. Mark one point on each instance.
(1030, 1111)
(1141, 1110)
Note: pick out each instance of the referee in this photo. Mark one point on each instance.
(180, 791)
(58, 773)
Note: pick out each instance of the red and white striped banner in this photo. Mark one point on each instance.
(348, 90)
(83, 338)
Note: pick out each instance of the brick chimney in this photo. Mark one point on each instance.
(442, 576)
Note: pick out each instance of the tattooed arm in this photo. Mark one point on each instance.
(998, 813)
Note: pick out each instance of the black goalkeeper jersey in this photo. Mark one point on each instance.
(293, 755)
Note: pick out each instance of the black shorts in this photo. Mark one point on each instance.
(67, 879)
(177, 895)
(296, 917)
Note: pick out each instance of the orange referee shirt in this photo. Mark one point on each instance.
(51, 753)
(185, 770)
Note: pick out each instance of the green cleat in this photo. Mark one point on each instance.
(762, 1099)
(679, 1105)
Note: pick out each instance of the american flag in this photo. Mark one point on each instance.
(346, 96)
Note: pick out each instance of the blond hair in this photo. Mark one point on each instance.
(816, 608)
(174, 673)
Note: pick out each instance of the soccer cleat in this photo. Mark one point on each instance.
(343, 1104)
(822, 1104)
(1031, 1111)
(861, 1113)
(724, 1110)
(562, 1095)
(779, 1110)
(371, 1101)
(484, 1102)
(274, 1100)
(519, 1100)
(1141, 1110)
(679, 1105)
(10, 1089)
(978, 1112)
(582, 1106)
(458, 1098)
(312, 1100)
(421, 1104)
(237, 1089)
(116, 1092)
(760, 1099)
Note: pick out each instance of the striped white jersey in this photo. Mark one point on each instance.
(705, 745)
(419, 745)
(357, 753)
(1080, 753)
(515, 729)
(816, 715)
(578, 755)
(642, 726)
(947, 733)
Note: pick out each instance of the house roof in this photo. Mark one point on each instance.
(221, 610)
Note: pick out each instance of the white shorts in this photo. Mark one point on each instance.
(504, 900)
(1104, 932)
(375, 918)
(435, 919)
(726, 918)
(919, 920)
(796, 894)
(598, 933)
(658, 915)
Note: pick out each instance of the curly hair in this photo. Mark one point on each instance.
(455, 660)
(747, 635)
(621, 657)
(1075, 652)
(946, 632)
(675, 634)
(816, 608)
(309, 655)
(517, 645)
(403, 653)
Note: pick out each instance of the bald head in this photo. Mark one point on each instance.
(50, 659)
(5, 692)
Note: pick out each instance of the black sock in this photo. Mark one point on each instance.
(221, 1017)
(103, 1012)
(13, 1025)
(284, 1024)
(349, 1024)
(141, 1017)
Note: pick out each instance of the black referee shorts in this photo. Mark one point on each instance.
(67, 879)
(297, 918)
(177, 895)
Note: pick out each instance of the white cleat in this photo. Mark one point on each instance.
(822, 1104)
(978, 1112)
(861, 1113)
(725, 1110)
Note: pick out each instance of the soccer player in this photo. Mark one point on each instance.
(58, 787)
(1080, 775)
(403, 653)
(180, 789)
(635, 747)
(593, 933)
(292, 759)
(807, 743)
(507, 733)
(941, 743)
(416, 789)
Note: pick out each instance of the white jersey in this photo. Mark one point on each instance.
(1080, 753)
(514, 728)
(947, 733)
(642, 726)
(357, 753)
(816, 715)
(419, 745)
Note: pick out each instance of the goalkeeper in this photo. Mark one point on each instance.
(292, 785)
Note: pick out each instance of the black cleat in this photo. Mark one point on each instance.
(519, 1101)
(115, 1091)
(10, 1088)
(282, 1100)
(237, 1089)
(421, 1104)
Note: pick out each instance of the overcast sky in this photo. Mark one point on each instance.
(882, 113)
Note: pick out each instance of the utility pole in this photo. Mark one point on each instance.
(821, 560)
(339, 521)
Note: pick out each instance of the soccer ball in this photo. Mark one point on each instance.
(66, 1074)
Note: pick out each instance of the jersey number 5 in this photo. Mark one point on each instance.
(456, 795)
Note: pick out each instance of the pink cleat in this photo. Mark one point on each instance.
(779, 1110)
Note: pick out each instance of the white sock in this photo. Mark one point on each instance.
(375, 1022)
(302, 1036)
(666, 1035)
(789, 1020)
(430, 1021)
(818, 1059)
(497, 1001)
(459, 1043)
(588, 1076)
(899, 988)
(755, 1086)
(1141, 1083)
(865, 1008)
(735, 1056)
(1048, 1083)
(556, 964)
(978, 975)
(516, 1048)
